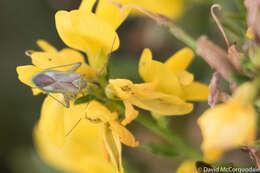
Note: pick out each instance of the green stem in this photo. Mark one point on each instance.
(183, 36)
(173, 139)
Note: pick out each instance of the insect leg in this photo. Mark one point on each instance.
(75, 65)
(65, 98)
(105, 65)
(67, 101)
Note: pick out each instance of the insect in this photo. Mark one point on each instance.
(68, 83)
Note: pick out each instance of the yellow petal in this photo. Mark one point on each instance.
(155, 71)
(145, 65)
(111, 14)
(86, 32)
(87, 5)
(144, 96)
(98, 112)
(211, 155)
(102, 144)
(66, 31)
(130, 113)
(52, 120)
(71, 56)
(95, 29)
(113, 146)
(85, 134)
(162, 104)
(180, 60)
(45, 60)
(121, 88)
(78, 154)
(36, 91)
(187, 166)
(26, 72)
(74, 122)
(125, 136)
(170, 8)
(227, 126)
(196, 91)
(185, 77)
(249, 33)
(45, 46)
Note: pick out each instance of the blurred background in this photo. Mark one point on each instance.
(22, 22)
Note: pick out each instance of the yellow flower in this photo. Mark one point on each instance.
(92, 33)
(79, 151)
(171, 77)
(170, 8)
(229, 125)
(48, 58)
(98, 113)
(111, 132)
(95, 33)
(187, 167)
(249, 33)
(145, 97)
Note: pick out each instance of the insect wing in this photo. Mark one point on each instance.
(58, 81)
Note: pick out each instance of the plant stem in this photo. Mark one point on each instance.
(183, 36)
(173, 139)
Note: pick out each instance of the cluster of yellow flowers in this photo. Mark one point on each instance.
(166, 90)
(95, 34)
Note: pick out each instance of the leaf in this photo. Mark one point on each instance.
(241, 7)
(161, 121)
(256, 144)
(160, 149)
(83, 99)
(240, 78)
(247, 65)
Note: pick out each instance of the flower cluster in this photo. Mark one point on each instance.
(100, 108)
(84, 118)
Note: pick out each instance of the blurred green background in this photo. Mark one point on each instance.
(22, 22)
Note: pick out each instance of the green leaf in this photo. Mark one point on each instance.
(247, 65)
(241, 7)
(162, 121)
(240, 78)
(160, 149)
(256, 144)
(83, 99)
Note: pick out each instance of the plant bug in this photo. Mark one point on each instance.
(67, 83)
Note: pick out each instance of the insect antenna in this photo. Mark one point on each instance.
(28, 52)
(75, 65)
(218, 22)
(75, 125)
(113, 43)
